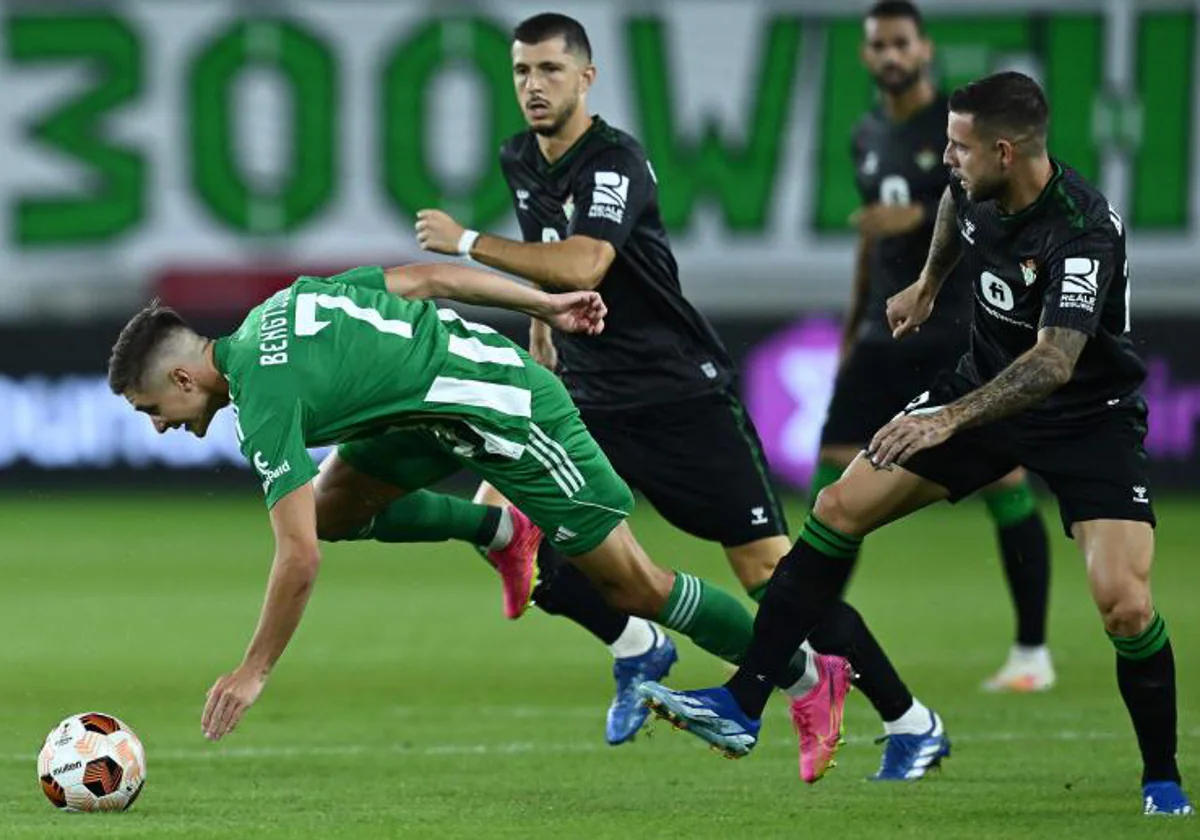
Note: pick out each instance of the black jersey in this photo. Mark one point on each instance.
(1058, 263)
(656, 347)
(901, 163)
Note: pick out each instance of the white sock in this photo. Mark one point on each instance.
(504, 531)
(915, 721)
(638, 637)
(1029, 655)
(811, 676)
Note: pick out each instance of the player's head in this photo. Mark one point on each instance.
(995, 124)
(895, 48)
(159, 365)
(552, 70)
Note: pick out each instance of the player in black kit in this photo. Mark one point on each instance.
(900, 178)
(1050, 382)
(656, 389)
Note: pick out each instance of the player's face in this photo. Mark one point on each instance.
(550, 83)
(179, 403)
(895, 52)
(974, 160)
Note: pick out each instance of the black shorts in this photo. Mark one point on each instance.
(1096, 467)
(698, 461)
(878, 380)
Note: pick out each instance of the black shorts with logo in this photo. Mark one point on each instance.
(698, 461)
(1096, 467)
(878, 379)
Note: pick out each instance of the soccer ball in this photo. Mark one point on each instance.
(92, 762)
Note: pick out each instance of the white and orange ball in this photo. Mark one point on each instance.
(92, 762)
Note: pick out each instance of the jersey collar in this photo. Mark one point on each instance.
(220, 355)
(1022, 215)
(550, 168)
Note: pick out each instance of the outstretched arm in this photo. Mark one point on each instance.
(293, 575)
(571, 311)
(577, 262)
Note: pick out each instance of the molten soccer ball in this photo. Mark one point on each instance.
(92, 762)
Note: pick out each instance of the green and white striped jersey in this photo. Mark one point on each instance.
(328, 360)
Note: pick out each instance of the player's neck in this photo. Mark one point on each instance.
(1027, 185)
(210, 379)
(559, 143)
(900, 107)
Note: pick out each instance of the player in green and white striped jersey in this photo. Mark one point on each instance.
(411, 394)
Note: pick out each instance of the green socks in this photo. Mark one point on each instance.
(425, 516)
(710, 617)
(1145, 644)
(1010, 506)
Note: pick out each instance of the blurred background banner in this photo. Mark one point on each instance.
(209, 151)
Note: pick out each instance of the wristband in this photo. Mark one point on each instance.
(466, 242)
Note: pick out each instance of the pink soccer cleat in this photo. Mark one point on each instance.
(817, 717)
(516, 563)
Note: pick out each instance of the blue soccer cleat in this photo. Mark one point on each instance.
(627, 712)
(1165, 799)
(907, 758)
(711, 714)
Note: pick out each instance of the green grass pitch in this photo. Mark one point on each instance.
(407, 706)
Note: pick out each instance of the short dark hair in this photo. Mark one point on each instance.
(1004, 102)
(549, 25)
(137, 343)
(898, 9)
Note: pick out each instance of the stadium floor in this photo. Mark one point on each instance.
(408, 707)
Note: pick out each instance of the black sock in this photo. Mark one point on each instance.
(807, 583)
(1146, 677)
(843, 632)
(564, 590)
(1026, 553)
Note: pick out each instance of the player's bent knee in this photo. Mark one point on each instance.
(836, 509)
(1126, 611)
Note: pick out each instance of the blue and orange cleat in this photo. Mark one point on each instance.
(627, 712)
(907, 758)
(517, 563)
(1165, 799)
(711, 714)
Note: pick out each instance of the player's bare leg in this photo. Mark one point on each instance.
(1025, 554)
(628, 580)
(1119, 554)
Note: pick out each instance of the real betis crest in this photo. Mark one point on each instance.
(927, 159)
(1029, 271)
(569, 207)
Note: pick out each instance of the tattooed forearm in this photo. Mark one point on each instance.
(945, 248)
(1032, 377)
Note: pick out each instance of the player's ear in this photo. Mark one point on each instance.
(1007, 152)
(926, 50)
(183, 379)
(588, 77)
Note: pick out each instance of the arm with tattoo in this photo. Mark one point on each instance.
(1033, 376)
(945, 247)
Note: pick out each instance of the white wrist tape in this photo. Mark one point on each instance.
(466, 242)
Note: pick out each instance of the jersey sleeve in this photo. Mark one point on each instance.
(367, 276)
(1080, 274)
(273, 443)
(611, 191)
